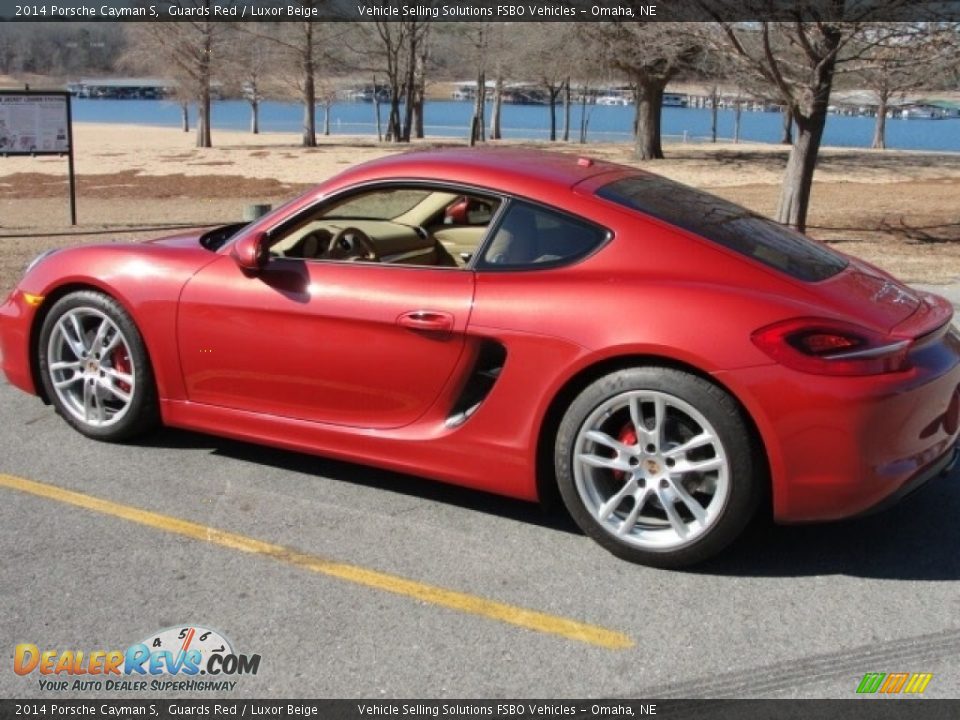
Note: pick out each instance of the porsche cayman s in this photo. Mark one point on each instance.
(522, 323)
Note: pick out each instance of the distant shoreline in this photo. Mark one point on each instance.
(450, 120)
(560, 146)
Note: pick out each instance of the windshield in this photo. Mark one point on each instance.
(726, 224)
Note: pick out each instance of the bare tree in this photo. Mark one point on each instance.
(543, 59)
(247, 65)
(797, 61)
(392, 41)
(390, 50)
(60, 48)
(898, 59)
(414, 56)
(298, 45)
(189, 50)
(474, 41)
(787, 137)
(326, 99)
(418, 95)
(501, 63)
(714, 102)
(649, 56)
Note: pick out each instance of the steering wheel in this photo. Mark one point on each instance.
(312, 245)
(352, 243)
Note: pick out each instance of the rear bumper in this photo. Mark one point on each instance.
(840, 447)
(941, 467)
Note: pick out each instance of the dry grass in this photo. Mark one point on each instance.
(896, 209)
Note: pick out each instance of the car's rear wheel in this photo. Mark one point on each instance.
(94, 367)
(658, 466)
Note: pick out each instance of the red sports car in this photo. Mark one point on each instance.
(519, 322)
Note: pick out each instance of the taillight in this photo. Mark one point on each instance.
(832, 347)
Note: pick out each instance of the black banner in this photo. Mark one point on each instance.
(855, 709)
(477, 10)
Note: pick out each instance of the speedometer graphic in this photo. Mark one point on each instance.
(193, 639)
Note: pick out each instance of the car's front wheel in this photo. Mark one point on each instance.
(658, 466)
(94, 367)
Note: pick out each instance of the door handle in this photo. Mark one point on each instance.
(428, 320)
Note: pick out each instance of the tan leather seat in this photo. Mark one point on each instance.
(460, 239)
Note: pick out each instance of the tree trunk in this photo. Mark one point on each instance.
(421, 94)
(203, 117)
(203, 104)
(554, 92)
(326, 119)
(880, 126)
(566, 110)
(787, 137)
(309, 138)
(649, 100)
(410, 88)
(255, 116)
(393, 121)
(477, 128)
(737, 112)
(185, 116)
(418, 117)
(495, 112)
(583, 114)
(798, 178)
(376, 109)
(714, 101)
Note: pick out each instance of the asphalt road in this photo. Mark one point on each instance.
(787, 612)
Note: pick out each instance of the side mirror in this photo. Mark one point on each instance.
(251, 252)
(456, 214)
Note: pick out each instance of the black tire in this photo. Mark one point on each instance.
(745, 467)
(142, 413)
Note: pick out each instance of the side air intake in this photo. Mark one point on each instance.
(483, 376)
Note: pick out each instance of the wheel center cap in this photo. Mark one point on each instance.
(651, 466)
(92, 366)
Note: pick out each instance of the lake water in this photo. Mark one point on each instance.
(605, 124)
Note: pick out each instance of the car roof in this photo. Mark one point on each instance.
(505, 168)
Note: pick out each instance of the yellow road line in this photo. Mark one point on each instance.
(462, 602)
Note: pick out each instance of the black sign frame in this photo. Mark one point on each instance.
(68, 97)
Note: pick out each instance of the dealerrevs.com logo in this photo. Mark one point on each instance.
(178, 659)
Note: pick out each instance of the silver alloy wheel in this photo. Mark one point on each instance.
(86, 354)
(651, 470)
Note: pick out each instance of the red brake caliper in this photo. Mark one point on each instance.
(628, 436)
(121, 363)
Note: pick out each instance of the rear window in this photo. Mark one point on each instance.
(726, 224)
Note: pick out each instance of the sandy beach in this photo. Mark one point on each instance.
(897, 209)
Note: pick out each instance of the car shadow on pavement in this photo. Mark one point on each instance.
(917, 539)
(345, 472)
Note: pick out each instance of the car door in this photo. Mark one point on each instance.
(350, 343)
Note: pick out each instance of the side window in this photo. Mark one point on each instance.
(529, 236)
(395, 225)
(463, 225)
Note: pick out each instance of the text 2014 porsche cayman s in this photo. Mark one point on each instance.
(518, 322)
